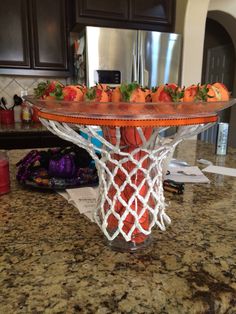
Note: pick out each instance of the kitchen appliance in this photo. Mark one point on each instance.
(113, 56)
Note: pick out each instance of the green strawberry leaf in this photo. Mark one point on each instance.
(127, 89)
(90, 94)
(39, 91)
(175, 94)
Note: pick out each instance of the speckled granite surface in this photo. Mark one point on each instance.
(53, 260)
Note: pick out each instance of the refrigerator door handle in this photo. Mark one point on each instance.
(141, 70)
(134, 68)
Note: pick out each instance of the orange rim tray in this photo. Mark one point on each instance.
(129, 114)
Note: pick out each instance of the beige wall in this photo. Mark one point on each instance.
(180, 15)
(228, 6)
(190, 22)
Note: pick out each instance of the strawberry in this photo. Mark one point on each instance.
(190, 93)
(99, 93)
(147, 93)
(73, 93)
(48, 90)
(218, 92)
(167, 93)
(225, 94)
(173, 92)
(155, 93)
(69, 93)
(52, 86)
(138, 95)
(116, 95)
(195, 93)
(133, 92)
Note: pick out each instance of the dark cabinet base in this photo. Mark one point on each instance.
(18, 140)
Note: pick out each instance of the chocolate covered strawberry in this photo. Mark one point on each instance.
(116, 95)
(196, 93)
(73, 93)
(99, 93)
(132, 92)
(167, 93)
(48, 90)
(148, 94)
(217, 92)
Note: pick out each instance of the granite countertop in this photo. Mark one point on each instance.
(54, 260)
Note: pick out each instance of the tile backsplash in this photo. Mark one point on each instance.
(11, 85)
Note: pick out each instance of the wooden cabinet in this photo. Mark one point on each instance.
(152, 11)
(105, 9)
(34, 37)
(49, 35)
(147, 14)
(14, 34)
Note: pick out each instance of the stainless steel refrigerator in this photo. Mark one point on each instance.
(113, 56)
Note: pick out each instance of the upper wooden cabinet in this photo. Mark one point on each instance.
(34, 37)
(48, 24)
(14, 35)
(146, 14)
(105, 9)
(152, 11)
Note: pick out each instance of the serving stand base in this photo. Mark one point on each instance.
(130, 162)
(121, 245)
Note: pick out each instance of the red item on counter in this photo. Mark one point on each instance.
(4, 175)
(35, 117)
(7, 116)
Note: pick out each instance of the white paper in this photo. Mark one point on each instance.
(204, 162)
(185, 174)
(221, 170)
(84, 199)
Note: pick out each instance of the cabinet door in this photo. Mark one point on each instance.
(49, 34)
(152, 11)
(106, 9)
(14, 39)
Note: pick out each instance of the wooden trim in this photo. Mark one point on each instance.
(32, 72)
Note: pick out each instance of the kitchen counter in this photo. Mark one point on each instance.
(54, 260)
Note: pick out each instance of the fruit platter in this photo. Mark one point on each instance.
(130, 105)
(133, 150)
(132, 92)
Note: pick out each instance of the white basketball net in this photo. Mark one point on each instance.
(131, 199)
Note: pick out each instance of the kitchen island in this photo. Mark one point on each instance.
(54, 260)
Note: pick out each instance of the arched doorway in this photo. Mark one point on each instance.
(218, 55)
(218, 66)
